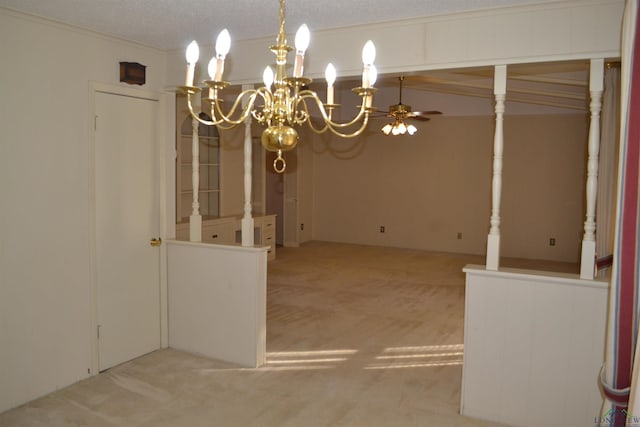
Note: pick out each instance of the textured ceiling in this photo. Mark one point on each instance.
(171, 24)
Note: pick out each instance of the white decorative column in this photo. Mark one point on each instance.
(247, 219)
(596, 83)
(493, 240)
(195, 220)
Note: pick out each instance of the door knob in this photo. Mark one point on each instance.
(155, 242)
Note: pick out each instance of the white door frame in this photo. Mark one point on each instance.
(164, 129)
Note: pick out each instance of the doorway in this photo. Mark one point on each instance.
(281, 192)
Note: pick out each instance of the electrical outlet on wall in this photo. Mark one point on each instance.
(382, 228)
(302, 227)
(552, 241)
(459, 235)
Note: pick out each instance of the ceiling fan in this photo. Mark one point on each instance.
(400, 113)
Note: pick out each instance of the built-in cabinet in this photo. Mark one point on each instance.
(227, 231)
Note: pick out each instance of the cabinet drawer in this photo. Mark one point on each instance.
(269, 224)
(221, 234)
(268, 239)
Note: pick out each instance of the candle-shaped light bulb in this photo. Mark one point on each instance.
(267, 78)
(302, 38)
(302, 43)
(330, 76)
(412, 129)
(223, 44)
(368, 56)
(193, 52)
(368, 53)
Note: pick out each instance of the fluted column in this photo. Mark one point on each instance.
(247, 219)
(493, 240)
(195, 220)
(596, 83)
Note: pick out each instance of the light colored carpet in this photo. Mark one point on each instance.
(357, 336)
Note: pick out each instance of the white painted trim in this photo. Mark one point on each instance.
(536, 276)
(232, 248)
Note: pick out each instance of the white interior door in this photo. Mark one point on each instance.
(127, 218)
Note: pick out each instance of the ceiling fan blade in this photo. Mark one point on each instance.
(427, 113)
(419, 118)
(381, 114)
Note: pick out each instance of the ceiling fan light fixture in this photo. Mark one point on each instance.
(401, 113)
(399, 127)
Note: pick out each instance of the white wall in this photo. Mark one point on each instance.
(427, 188)
(45, 279)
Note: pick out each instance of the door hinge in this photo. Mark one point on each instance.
(95, 122)
(98, 331)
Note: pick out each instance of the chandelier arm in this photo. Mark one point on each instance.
(303, 101)
(331, 125)
(264, 115)
(197, 117)
(300, 115)
(354, 134)
(312, 95)
(216, 109)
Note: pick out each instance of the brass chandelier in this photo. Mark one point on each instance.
(282, 102)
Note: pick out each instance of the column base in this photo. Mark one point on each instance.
(247, 231)
(493, 252)
(195, 228)
(588, 259)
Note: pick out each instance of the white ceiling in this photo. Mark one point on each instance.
(172, 24)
